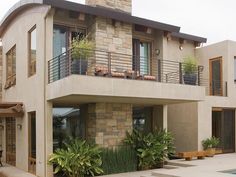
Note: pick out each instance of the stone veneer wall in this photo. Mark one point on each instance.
(123, 5)
(108, 123)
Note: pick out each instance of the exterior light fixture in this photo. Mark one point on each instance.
(181, 47)
(158, 51)
(19, 126)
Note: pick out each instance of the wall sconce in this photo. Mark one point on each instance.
(181, 47)
(181, 43)
(157, 51)
(1, 127)
(19, 126)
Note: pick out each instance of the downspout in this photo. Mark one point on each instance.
(44, 90)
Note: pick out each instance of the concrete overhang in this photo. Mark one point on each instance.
(77, 89)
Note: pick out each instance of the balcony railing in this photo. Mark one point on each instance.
(117, 65)
(215, 87)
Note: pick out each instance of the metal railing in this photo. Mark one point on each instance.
(118, 65)
(215, 87)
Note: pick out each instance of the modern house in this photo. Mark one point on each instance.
(133, 79)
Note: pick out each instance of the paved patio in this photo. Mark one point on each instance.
(209, 167)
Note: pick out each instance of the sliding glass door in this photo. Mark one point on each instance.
(141, 56)
(223, 127)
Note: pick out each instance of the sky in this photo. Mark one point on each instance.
(213, 19)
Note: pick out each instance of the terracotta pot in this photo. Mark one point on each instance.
(210, 152)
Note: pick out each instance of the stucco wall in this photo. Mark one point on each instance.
(183, 124)
(29, 90)
(171, 50)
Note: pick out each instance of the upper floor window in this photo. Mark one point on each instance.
(10, 67)
(235, 69)
(32, 51)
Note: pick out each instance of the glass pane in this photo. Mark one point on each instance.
(228, 134)
(33, 135)
(216, 77)
(142, 119)
(144, 58)
(33, 45)
(59, 41)
(67, 122)
(234, 68)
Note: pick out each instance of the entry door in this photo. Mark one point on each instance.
(223, 127)
(216, 77)
(11, 141)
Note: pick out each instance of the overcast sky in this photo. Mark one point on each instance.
(214, 19)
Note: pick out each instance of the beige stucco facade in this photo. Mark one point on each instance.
(107, 103)
(196, 118)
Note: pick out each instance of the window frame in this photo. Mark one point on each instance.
(32, 63)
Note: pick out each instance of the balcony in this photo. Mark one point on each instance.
(115, 75)
(116, 65)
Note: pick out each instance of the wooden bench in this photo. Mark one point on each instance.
(189, 155)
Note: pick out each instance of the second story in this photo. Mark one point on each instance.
(37, 41)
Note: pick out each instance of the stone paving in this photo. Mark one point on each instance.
(209, 167)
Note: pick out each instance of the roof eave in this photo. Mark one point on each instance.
(189, 37)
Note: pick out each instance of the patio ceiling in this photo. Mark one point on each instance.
(11, 109)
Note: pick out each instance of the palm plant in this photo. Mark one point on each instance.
(77, 159)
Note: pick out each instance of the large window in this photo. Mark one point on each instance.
(141, 56)
(32, 51)
(67, 122)
(142, 118)
(11, 67)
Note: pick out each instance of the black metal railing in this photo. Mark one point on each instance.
(118, 65)
(215, 87)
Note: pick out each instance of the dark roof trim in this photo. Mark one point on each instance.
(189, 37)
(17, 8)
(105, 12)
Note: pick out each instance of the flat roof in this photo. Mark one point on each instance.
(97, 11)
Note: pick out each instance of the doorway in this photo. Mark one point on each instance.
(223, 127)
(11, 141)
(216, 84)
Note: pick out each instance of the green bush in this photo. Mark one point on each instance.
(82, 49)
(210, 143)
(190, 65)
(152, 148)
(119, 160)
(77, 159)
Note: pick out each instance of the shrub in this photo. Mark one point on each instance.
(210, 143)
(77, 159)
(119, 160)
(82, 49)
(189, 65)
(152, 148)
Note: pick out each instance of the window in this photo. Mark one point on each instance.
(235, 69)
(32, 142)
(141, 57)
(67, 122)
(11, 67)
(32, 51)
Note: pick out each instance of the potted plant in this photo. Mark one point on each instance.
(190, 69)
(77, 159)
(81, 50)
(209, 145)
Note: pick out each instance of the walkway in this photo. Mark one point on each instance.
(209, 167)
